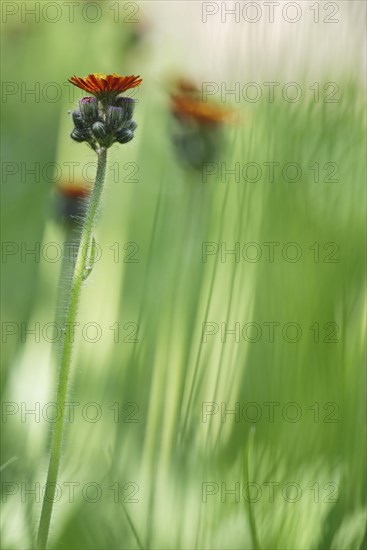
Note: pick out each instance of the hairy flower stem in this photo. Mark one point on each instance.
(62, 389)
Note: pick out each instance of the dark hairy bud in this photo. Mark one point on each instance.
(127, 104)
(89, 109)
(99, 130)
(124, 135)
(114, 118)
(78, 120)
(78, 135)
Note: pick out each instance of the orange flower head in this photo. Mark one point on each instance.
(106, 118)
(72, 202)
(102, 85)
(184, 106)
(74, 190)
(187, 86)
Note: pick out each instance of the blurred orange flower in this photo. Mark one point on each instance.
(72, 202)
(75, 190)
(187, 106)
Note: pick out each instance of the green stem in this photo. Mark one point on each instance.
(75, 292)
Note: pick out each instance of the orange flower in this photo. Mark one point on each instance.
(187, 86)
(185, 106)
(74, 190)
(72, 202)
(100, 84)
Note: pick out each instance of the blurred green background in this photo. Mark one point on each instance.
(153, 448)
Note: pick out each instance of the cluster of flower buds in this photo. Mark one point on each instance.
(106, 117)
(101, 127)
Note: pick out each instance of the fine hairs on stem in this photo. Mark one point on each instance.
(100, 121)
(75, 292)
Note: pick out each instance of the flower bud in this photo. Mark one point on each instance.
(78, 135)
(131, 125)
(89, 109)
(124, 135)
(127, 104)
(78, 120)
(114, 118)
(99, 130)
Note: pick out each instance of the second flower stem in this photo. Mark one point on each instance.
(62, 389)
